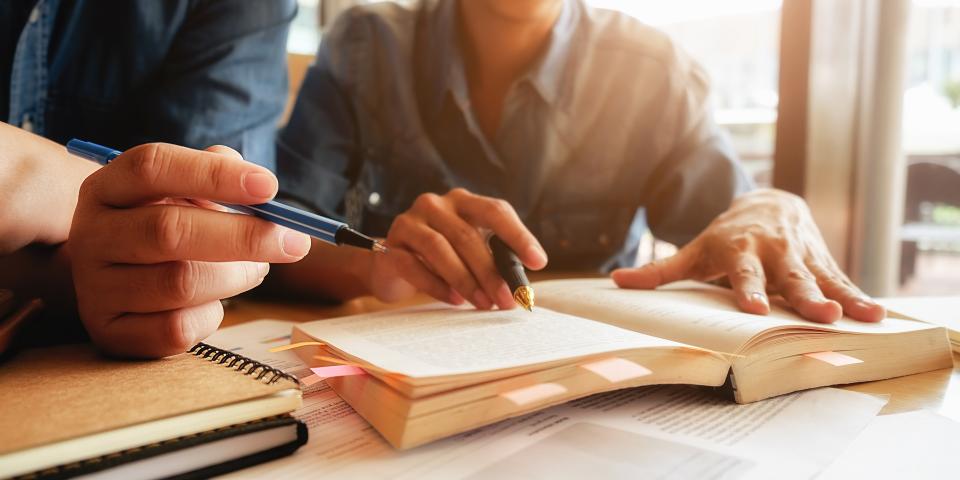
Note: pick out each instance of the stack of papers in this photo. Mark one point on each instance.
(661, 431)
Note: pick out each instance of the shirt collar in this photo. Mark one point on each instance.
(549, 72)
(442, 63)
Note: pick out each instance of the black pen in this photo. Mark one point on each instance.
(512, 271)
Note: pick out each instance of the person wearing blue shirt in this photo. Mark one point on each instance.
(161, 80)
(564, 129)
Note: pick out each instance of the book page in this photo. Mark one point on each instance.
(436, 340)
(769, 439)
(692, 313)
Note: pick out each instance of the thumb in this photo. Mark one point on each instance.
(656, 273)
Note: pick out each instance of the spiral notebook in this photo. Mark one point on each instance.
(67, 406)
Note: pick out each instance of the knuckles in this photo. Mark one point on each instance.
(501, 207)
(147, 162)
(175, 337)
(182, 280)
(250, 236)
(801, 275)
(428, 203)
(170, 227)
(402, 224)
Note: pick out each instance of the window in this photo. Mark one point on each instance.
(743, 68)
(305, 30)
(743, 71)
(930, 254)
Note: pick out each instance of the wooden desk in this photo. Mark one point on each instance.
(938, 391)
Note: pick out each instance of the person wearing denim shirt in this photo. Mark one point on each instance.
(126, 73)
(146, 267)
(568, 129)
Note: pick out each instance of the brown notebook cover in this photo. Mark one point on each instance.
(59, 394)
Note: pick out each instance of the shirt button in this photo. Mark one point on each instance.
(34, 14)
(603, 239)
(27, 123)
(374, 199)
(564, 243)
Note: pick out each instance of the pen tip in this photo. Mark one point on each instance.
(379, 247)
(524, 297)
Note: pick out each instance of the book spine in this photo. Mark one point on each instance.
(244, 365)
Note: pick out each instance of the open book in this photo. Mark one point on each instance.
(434, 371)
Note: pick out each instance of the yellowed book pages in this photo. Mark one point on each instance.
(943, 311)
(692, 313)
(436, 370)
(437, 343)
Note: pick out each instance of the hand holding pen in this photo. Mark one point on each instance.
(149, 267)
(439, 246)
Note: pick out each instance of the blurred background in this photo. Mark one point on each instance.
(852, 104)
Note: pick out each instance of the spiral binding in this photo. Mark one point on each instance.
(241, 364)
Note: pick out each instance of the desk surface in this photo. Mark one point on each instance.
(938, 391)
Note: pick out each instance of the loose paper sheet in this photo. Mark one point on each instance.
(692, 432)
(918, 444)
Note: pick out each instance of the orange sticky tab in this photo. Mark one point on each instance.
(338, 371)
(311, 379)
(617, 369)
(340, 361)
(534, 393)
(833, 358)
(294, 345)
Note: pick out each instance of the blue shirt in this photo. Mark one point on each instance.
(609, 131)
(126, 72)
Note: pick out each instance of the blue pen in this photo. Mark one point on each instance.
(323, 228)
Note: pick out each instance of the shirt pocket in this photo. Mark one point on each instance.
(584, 236)
(388, 183)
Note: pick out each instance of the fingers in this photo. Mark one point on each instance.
(855, 303)
(163, 233)
(410, 233)
(799, 287)
(400, 263)
(659, 272)
(155, 171)
(472, 248)
(173, 285)
(160, 334)
(499, 217)
(749, 283)
(442, 245)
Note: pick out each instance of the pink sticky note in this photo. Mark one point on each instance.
(833, 358)
(310, 380)
(533, 393)
(338, 371)
(617, 369)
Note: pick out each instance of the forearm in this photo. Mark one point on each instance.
(328, 272)
(39, 184)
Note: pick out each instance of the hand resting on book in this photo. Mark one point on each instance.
(766, 241)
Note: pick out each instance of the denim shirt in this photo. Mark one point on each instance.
(122, 73)
(609, 131)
